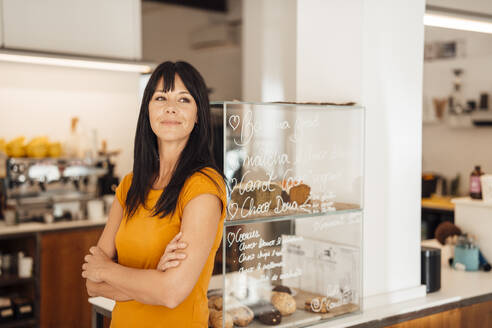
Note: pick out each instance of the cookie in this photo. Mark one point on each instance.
(299, 193)
(218, 303)
(284, 303)
(242, 315)
(266, 313)
(318, 305)
(212, 314)
(215, 319)
(283, 289)
(211, 301)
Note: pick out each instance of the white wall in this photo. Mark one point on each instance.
(167, 31)
(447, 150)
(39, 100)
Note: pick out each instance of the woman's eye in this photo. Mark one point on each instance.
(184, 100)
(160, 98)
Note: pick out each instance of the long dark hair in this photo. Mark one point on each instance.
(196, 155)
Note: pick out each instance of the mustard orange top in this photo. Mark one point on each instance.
(140, 243)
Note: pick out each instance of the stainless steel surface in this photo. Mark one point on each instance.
(43, 188)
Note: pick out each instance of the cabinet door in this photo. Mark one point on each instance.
(109, 28)
(62, 289)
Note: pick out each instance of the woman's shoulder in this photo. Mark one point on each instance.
(127, 179)
(125, 183)
(206, 180)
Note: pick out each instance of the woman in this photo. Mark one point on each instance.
(174, 198)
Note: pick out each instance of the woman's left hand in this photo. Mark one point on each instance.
(95, 262)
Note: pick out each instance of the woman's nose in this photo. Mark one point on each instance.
(171, 109)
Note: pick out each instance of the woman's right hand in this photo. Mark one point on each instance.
(172, 255)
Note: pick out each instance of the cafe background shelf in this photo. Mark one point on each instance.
(28, 322)
(11, 280)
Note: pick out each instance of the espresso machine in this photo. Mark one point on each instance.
(50, 189)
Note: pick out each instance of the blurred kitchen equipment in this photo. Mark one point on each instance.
(429, 182)
(95, 210)
(108, 202)
(440, 107)
(466, 254)
(455, 184)
(40, 186)
(25, 264)
(484, 101)
(430, 266)
(108, 182)
(475, 184)
(456, 99)
(486, 181)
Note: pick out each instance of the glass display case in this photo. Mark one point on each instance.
(292, 242)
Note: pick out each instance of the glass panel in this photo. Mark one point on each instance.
(292, 239)
(292, 160)
(297, 272)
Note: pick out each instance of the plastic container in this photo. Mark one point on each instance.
(467, 256)
(486, 181)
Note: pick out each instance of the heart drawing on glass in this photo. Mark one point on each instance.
(233, 208)
(234, 121)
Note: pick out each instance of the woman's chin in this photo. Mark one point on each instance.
(172, 137)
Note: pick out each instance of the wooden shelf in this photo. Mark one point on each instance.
(28, 322)
(11, 280)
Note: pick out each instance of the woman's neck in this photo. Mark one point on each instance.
(169, 153)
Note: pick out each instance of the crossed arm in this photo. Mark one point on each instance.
(169, 288)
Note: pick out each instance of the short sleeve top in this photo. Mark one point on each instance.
(141, 241)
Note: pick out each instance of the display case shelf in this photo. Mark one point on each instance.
(292, 238)
(291, 217)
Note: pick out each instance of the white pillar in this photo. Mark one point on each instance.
(269, 55)
(371, 52)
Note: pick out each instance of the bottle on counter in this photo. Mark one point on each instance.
(475, 185)
(73, 144)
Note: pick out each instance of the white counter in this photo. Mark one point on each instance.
(43, 227)
(456, 286)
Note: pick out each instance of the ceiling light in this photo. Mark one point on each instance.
(457, 19)
(55, 60)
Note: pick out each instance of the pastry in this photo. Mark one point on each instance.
(284, 303)
(215, 319)
(299, 193)
(262, 192)
(218, 303)
(212, 313)
(283, 289)
(241, 315)
(240, 196)
(267, 314)
(211, 301)
(319, 304)
(269, 195)
(285, 196)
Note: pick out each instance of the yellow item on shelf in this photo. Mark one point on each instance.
(16, 147)
(38, 147)
(55, 149)
(3, 146)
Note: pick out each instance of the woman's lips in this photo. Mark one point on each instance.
(170, 122)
